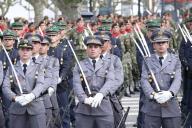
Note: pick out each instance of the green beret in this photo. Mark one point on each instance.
(61, 24)
(17, 25)
(53, 30)
(104, 28)
(189, 19)
(153, 24)
(46, 40)
(36, 38)
(106, 21)
(1, 35)
(24, 43)
(9, 34)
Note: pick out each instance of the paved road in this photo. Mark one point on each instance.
(133, 103)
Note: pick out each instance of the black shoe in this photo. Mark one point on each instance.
(135, 125)
(127, 95)
(132, 92)
(136, 89)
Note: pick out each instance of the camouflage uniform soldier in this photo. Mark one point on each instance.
(77, 35)
(127, 45)
(169, 24)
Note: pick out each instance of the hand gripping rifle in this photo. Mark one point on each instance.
(84, 77)
(149, 68)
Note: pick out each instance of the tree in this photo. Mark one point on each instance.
(38, 6)
(68, 8)
(5, 5)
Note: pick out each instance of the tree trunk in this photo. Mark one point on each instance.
(38, 6)
(70, 11)
(38, 10)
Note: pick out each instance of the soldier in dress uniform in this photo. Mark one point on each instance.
(151, 26)
(64, 38)
(36, 40)
(27, 108)
(115, 60)
(2, 119)
(8, 41)
(62, 52)
(17, 27)
(50, 99)
(94, 111)
(185, 53)
(161, 108)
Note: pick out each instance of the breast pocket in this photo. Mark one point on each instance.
(169, 76)
(101, 76)
(88, 75)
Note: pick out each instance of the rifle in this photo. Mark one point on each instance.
(123, 119)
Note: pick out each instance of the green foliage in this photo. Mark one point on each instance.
(71, 1)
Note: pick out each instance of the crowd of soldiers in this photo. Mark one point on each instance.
(73, 73)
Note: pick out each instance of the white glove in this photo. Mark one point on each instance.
(20, 99)
(28, 98)
(50, 91)
(97, 100)
(59, 80)
(88, 101)
(164, 96)
(156, 96)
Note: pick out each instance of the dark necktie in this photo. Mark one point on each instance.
(34, 59)
(160, 60)
(24, 68)
(94, 61)
(101, 56)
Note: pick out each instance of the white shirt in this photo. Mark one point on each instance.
(164, 57)
(104, 54)
(25, 63)
(36, 56)
(94, 59)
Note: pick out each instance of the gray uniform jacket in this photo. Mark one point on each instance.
(31, 82)
(101, 80)
(1, 73)
(51, 65)
(119, 76)
(169, 78)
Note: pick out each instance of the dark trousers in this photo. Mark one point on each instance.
(28, 121)
(158, 122)
(49, 117)
(63, 101)
(2, 119)
(89, 121)
(140, 117)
